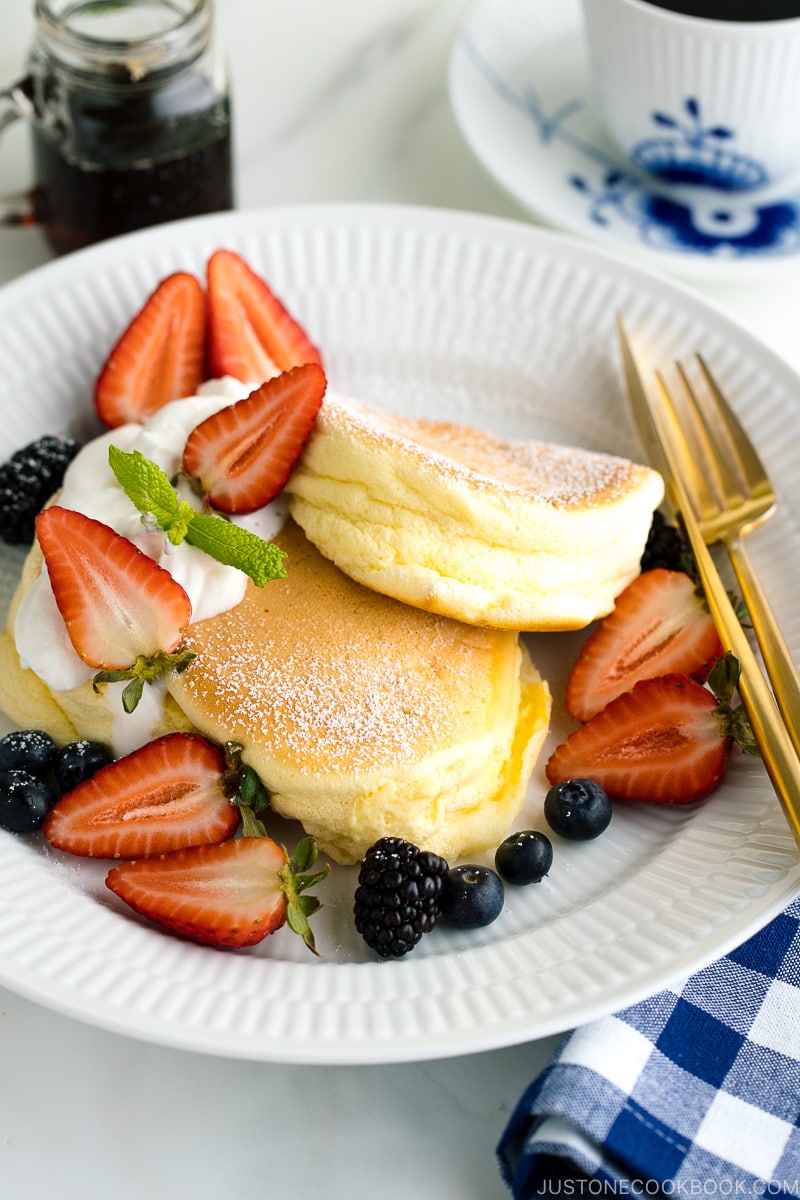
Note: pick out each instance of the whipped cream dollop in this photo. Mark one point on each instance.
(90, 487)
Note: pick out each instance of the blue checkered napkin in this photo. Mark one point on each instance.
(696, 1089)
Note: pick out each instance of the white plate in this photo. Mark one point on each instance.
(520, 89)
(463, 317)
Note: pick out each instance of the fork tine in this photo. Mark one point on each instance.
(752, 469)
(706, 503)
(717, 489)
(714, 446)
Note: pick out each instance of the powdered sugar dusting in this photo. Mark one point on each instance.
(563, 476)
(307, 710)
(320, 707)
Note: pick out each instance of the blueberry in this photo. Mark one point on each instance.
(524, 857)
(27, 750)
(24, 801)
(78, 761)
(578, 809)
(472, 896)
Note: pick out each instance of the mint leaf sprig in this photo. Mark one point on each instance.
(150, 490)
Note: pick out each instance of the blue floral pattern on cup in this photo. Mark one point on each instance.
(712, 229)
(677, 219)
(689, 152)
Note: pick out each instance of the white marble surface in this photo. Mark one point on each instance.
(333, 101)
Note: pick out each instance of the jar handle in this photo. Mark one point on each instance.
(16, 103)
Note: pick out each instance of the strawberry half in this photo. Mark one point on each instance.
(659, 626)
(251, 334)
(124, 613)
(168, 794)
(230, 895)
(160, 356)
(668, 740)
(242, 456)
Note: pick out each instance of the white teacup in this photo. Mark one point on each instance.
(699, 101)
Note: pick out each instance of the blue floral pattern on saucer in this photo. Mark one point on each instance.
(725, 217)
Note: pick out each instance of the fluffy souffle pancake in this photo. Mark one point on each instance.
(365, 717)
(518, 535)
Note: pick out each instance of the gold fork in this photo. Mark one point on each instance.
(731, 494)
(659, 427)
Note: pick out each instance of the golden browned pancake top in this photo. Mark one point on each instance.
(329, 676)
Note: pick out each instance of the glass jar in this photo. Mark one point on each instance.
(129, 112)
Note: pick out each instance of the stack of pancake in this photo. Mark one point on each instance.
(383, 687)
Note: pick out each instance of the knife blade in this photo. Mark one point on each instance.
(662, 446)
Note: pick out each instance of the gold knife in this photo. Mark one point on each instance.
(662, 448)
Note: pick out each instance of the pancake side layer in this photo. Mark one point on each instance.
(519, 535)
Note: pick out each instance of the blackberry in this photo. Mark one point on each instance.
(27, 481)
(666, 547)
(397, 898)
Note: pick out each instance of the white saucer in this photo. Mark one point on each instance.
(520, 90)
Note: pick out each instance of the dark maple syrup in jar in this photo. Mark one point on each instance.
(133, 123)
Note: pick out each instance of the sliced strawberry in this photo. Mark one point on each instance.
(124, 614)
(233, 894)
(659, 626)
(242, 456)
(663, 741)
(168, 794)
(251, 335)
(160, 356)
(117, 603)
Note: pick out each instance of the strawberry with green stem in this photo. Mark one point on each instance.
(178, 790)
(229, 895)
(124, 614)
